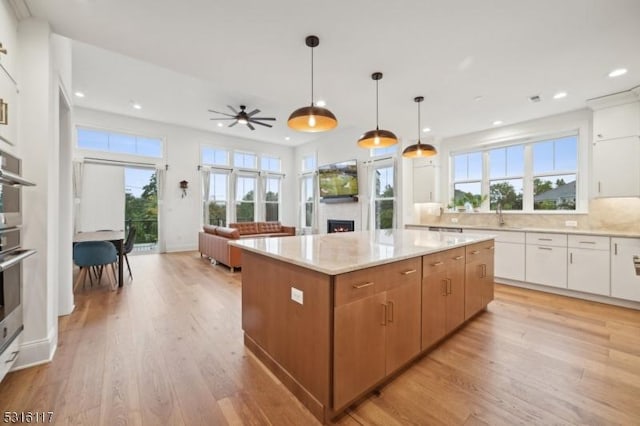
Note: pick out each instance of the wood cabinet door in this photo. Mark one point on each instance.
(434, 308)
(473, 288)
(403, 325)
(488, 274)
(455, 291)
(359, 347)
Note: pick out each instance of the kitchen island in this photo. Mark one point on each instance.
(335, 316)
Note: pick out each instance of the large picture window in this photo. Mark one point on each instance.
(218, 188)
(245, 198)
(120, 143)
(272, 198)
(384, 197)
(534, 176)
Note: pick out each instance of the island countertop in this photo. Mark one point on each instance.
(338, 253)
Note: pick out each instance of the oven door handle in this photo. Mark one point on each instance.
(16, 258)
(7, 178)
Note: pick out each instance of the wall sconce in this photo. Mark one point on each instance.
(184, 185)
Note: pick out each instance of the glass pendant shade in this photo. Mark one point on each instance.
(419, 149)
(312, 118)
(377, 138)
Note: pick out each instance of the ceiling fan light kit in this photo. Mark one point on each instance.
(419, 149)
(312, 118)
(377, 138)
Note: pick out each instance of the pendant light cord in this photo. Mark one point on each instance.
(418, 123)
(312, 76)
(377, 128)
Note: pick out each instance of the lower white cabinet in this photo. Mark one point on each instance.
(510, 260)
(625, 284)
(9, 356)
(546, 262)
(589, 264)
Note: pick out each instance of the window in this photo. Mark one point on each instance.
(270, 164)
(215, 156)
(245, 198)
(309, 163)
(383, 198)
(272, 198)
(387, 150)
(307, 200)
(219, 183)
(99, 140)
(244, 160)
(535, 176)
(554, 174)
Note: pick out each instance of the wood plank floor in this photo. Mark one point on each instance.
(167, 350)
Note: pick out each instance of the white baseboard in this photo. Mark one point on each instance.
(571, 293)
(186, 247)
(37, 352)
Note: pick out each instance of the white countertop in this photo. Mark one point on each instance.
(338, 253)
(573, 231)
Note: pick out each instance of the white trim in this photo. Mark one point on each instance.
(115, 130)
(37, 352)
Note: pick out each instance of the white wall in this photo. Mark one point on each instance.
(182, 217)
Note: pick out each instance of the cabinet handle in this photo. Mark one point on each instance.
(615, 248)
(545, 248)
(390, 311)
(430, 196)
(2, 49)
(437, 264)
(448, 285)
(545, 239)
(444, 287)
(599, 187)
(458, 257)
(587, 242)
(14, 355)
(484, 270)
(384, 314)
(571, 257)
(475, 252)
(491, 248)
(363, 285)
(410, 271)
(480, 271)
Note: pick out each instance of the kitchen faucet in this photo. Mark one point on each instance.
(499, 213)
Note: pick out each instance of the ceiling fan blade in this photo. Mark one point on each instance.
(233, 124)
(262, 124)
(254, 112)
(223, 113)
(232, 109)
(250, 126)
(230, 118)
(263, 118)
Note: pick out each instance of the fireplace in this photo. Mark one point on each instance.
(334, 225)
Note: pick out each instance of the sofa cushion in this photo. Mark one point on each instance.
(245, 228)
(230, 233)
(209, 229)
(269, 227)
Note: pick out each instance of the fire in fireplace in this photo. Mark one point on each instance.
(334, 225)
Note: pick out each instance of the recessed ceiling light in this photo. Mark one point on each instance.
(560, 95)
(618, 72)
(220, 124)
(136, 106)
(497, 122)
(286, 138)
(426, 130)
(477, 98)
(321, 103)
(79, 94)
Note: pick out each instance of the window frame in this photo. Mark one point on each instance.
(228, 176)
(266, 202)
(384, 164)
(237, 202)
(118, 155)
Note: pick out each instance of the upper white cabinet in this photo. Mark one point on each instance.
(425, 177)
(617, 121)
(625, 284)
(616, 167)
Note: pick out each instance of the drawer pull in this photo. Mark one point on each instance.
(545, 239)
(363, 285)
(545, 248)
(475, 252)
(458, 257)
(491, 248)
(437, 264)
(410, 271)
(587, 242)
(14, 355)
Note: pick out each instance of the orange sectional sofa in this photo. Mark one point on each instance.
(213, 240)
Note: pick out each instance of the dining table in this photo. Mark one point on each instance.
(116, 237)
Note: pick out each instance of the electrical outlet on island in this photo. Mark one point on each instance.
(571, 223)
(454, 220)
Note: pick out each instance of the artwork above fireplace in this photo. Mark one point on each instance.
(336, 225)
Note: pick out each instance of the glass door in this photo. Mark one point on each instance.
(141, 208)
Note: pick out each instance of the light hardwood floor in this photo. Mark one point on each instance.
(168, 349)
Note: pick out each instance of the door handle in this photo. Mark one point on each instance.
(571, 257)
(14, 355)
(448, 286)
(437, 264)
(363, 285)
(444, 287)
(410, 271)
(545, 248)
(390, 311)
(615, 248)
(384, 314)
(458, 257)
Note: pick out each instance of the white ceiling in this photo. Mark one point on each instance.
(192, 55)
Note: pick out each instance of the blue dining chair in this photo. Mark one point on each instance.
(94, 253)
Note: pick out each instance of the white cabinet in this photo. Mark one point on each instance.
(589, 264)
(616, 121)
(9, 356)
(546, 259)
(509, 258)
(616, 167)
(9, 109)
(425, 178)
(625, 284)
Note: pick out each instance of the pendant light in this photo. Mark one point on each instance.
(377, 138)
(419, 149)
(312, 118)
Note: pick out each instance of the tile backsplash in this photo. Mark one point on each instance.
(605, 214)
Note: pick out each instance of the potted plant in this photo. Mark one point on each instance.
(476, 201)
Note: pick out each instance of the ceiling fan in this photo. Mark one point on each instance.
(244, 117)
